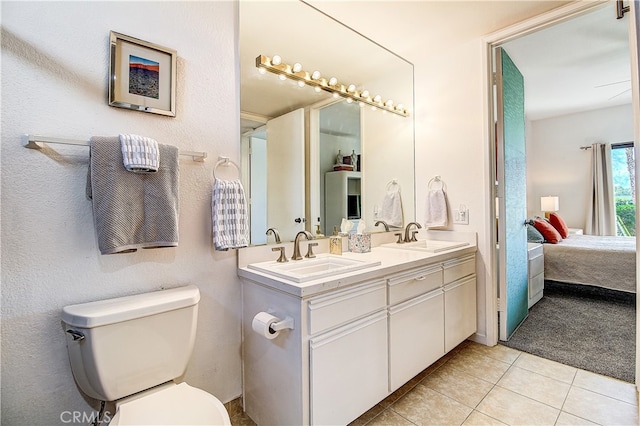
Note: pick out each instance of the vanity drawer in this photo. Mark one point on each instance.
(325, 312)
(459, 268)
(407, 285)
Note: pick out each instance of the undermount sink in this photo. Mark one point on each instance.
(431, 246)
(323, 265)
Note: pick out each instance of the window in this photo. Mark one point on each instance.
(624, 188)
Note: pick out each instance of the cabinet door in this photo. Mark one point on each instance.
(416, 336)
(459, 311)
(348, 370)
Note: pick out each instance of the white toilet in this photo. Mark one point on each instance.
(130, 349)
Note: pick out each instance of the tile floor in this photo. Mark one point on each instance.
(479, 385)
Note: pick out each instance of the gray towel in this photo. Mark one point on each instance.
(131, 210)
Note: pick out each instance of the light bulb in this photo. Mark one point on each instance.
(262, 71)
(282, 77)
(317, 89)
(377, 98)
(349, 100)
(351, 88)
(301, 83)
(297, 67)
(400, 107)
(389, 103)
(373, 108)
(276, 60)
(365, 93)
(335, 94)
(333, 81)
(361, 104)
(315, 75)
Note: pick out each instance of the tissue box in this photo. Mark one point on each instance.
(360, 243)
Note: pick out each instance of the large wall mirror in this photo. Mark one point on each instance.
(310, 157)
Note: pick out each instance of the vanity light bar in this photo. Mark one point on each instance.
(294, 72)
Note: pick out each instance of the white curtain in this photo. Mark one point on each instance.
(601, 215)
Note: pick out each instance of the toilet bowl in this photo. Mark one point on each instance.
(133, 350)
(170, 404)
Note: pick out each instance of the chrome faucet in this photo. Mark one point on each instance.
(382, 222)
(413, 235)
(275, 233)
(296, 244)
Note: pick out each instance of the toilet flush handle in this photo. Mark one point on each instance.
(76, 335)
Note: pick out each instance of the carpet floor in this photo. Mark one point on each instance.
(589, 328)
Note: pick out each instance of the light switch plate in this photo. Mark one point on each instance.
(461, 216)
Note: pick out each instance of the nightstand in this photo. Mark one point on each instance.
(535, 256)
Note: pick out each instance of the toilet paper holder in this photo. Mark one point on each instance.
(281, 325)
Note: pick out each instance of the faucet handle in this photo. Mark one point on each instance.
(283, 256)
(399, 235)
(310, 247)
(413, 236)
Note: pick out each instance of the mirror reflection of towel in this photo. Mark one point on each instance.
(391, 211)
(436, 209)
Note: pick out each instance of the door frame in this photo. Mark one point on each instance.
(489, 43)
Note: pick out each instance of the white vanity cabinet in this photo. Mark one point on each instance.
(352, 346)
(416, 323)
(459, 300)
(347, 352)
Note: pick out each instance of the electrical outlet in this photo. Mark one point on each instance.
(461, 216)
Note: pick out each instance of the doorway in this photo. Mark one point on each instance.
(498, 39)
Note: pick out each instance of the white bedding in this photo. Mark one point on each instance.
(601, 261)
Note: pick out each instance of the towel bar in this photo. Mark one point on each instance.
(35, 142)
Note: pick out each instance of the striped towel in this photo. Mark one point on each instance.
(230, 215)
(140, 154)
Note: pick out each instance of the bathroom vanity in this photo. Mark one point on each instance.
(357, 336)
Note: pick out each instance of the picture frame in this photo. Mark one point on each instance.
(142, 75)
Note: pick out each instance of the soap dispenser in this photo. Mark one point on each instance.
(335, 242)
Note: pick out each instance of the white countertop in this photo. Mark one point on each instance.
(391, 261)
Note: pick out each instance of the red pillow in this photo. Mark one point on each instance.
(550, 234)
(559, 224)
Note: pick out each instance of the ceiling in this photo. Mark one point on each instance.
(578, 65)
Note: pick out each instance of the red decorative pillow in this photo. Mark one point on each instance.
(559, 224)
(550, 234)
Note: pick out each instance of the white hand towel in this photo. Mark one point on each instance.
(140, 154)
(230, 215)
(391, 211)
(436, 209)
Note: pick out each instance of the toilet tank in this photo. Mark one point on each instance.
(121, 346)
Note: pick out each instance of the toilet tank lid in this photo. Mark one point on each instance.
(110, 311)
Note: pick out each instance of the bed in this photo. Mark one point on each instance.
(601, 261)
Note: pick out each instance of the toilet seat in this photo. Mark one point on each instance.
(170, 404)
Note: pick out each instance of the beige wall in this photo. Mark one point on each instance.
(54, 82)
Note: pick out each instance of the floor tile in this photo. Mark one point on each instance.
(514, 409)
(462, 387)
(600, 408)
(368, 416)
(546, 367)
(499, 352)
(424, 406)
(389, 417)
(478, 419)
(535, 386)
(607, 386)
(566, 419)
(478, 365)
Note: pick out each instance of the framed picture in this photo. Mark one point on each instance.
(142, 75)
